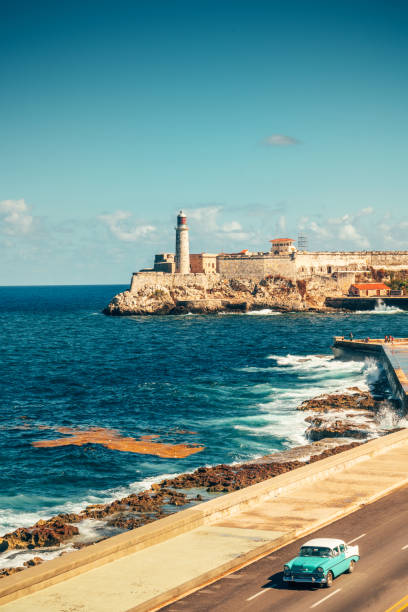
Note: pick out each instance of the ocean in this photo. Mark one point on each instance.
(229, 383)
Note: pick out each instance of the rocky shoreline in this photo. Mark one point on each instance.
(336, 423)
(214, 295)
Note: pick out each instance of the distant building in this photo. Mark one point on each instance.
(164, 262)
(281, 246)
(369, 290)
(203, 263)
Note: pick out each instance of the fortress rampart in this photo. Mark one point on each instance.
(303, 264)
(158, 280)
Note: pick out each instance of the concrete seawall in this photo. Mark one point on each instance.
(367, 303)
(393, 356)
(235, 515)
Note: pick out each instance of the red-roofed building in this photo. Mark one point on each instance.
(369, 290)
(282, 246)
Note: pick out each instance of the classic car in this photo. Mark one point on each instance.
(320, 561)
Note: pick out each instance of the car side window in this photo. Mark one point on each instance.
(342, 548)
(335, 552)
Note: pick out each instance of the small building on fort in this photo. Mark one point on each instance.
(164, 262)
(369, 290)
(203, 263)
(282, 246)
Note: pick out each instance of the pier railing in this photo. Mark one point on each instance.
(369, 340)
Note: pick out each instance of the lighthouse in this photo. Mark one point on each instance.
(182, 249)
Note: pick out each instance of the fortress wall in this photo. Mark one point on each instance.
(256, 267)
(280, 266)
(397, 260)
(162, 279)
(327, 262)
(326, 284)
(242, 267)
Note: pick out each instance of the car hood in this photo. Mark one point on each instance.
(308, 564)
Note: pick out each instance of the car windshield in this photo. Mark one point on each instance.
(315, 551)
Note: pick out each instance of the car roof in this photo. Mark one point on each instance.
(326, 542)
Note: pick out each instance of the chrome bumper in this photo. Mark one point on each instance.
(310, 579)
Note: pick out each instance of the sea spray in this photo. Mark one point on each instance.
(381, 308)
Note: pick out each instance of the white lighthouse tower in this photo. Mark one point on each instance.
(182, 249)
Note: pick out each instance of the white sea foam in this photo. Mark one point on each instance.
(313, 375)
(11, 519)
(388, 418)
(382, 308)
(263, 312)
(16, 558)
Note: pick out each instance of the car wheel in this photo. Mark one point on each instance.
(329, 579)
(351, 567)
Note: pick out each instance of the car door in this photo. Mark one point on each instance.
(337, 561)
(345, 561)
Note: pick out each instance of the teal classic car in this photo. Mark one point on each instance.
(320, 561)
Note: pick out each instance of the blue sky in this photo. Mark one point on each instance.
(259, 118)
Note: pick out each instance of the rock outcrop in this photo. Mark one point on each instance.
(167, 294)
(345, 415)
(44, 533)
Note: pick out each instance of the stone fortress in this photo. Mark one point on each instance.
(283, 260)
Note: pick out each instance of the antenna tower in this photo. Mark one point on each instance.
(303, 242)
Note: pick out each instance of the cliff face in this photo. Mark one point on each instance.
(213, 294)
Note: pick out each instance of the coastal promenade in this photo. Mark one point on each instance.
(148, 567)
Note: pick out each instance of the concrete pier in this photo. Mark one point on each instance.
(392, 355)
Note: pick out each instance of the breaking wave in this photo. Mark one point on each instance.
(295, 379)
(11, 519)
(263, 312)
(382, 308)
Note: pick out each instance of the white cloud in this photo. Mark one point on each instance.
(349, 233)
(280, 140)
(319, 230)
(206, 216)
(339, 220)
(234, 226)
(206, 220)
(281, 223)
(119, 226)
(302, 223)
(15, 218)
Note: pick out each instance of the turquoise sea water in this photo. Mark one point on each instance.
(234, 379)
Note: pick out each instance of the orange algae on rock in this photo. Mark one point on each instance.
(115, 441)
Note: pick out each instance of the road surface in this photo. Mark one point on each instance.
(378, 584)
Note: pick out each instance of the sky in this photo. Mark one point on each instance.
(259, 118)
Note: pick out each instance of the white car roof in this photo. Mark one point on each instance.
(326, 542)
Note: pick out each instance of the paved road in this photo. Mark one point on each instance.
(379, 583)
